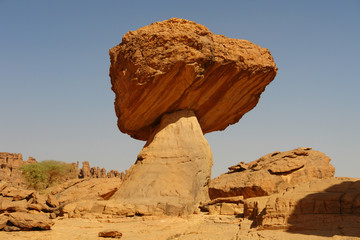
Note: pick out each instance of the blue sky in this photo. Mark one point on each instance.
(56, 101)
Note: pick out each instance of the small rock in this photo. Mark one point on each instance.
(110, 234)
(11, 228)
(51, 201)
(214, 209)
(227, 209)
(52, 215)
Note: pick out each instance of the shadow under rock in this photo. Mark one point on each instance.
(335, 211)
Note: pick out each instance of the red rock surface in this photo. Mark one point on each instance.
(179, 64)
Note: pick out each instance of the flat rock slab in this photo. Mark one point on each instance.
(25, 221)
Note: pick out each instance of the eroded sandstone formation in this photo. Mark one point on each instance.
(172, 169)
(329, 206)
(96, 172)
(178, 64)
(272, 173)
(9, 168)
(174, 81)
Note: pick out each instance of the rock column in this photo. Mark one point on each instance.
(173, 170)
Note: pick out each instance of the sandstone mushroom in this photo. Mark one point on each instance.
(173, 82)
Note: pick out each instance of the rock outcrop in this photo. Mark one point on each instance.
(23, 210)
(9, 168)
(174, 81)
(178, 64)
(10, 173)
(173, 169)
(85, 189)
(272, 173)
(20, 221)
(96, 172)
(328, 206)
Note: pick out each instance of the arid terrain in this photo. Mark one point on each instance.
(279, 207)
(174, 81)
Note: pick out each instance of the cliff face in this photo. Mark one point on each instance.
(178, 64)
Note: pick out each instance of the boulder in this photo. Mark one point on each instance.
(179, 64)
(272, 173)
(17, 194)
(173, 169)
(26, 221)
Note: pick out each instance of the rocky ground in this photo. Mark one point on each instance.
(201, 227)
(299, 198)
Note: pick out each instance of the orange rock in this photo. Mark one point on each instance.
(178, 64)
(272, 173)
(27, 221)
(9, 169)
(331, 205)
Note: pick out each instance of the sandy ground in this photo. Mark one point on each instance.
(195, 227)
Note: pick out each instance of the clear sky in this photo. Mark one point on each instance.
(55, 96)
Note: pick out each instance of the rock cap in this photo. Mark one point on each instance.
(178, 64)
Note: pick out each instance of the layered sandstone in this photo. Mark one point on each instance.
(178, 64)
(172, 171)
(272, 173)
(331, 206)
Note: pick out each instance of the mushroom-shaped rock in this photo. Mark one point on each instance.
(179, 64)
(174, 81)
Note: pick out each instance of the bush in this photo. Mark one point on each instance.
(42, 175)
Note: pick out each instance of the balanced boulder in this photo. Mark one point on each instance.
(174, 81)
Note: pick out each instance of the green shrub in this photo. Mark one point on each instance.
(42, 175)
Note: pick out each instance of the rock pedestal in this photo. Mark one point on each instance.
(173, 82)
(172, 172)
